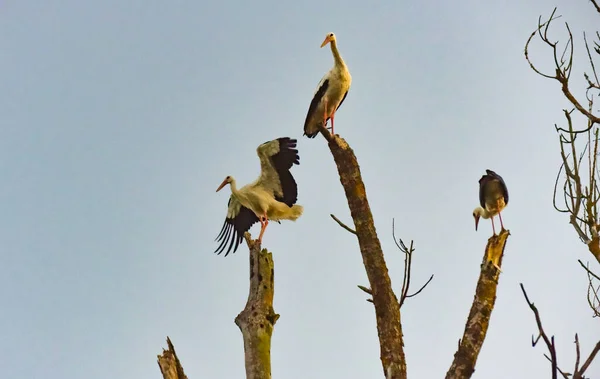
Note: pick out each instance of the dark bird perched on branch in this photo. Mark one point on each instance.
(270, 197)
(330, 94)
(493, 197)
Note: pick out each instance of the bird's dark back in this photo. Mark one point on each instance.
(492, 187)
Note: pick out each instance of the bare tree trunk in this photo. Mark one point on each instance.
(478, 321)
(169, 364)
(387, 310)
(258, 318)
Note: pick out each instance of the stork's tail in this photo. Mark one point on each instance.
(296, 211)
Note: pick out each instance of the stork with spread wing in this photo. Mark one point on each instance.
(272, 196)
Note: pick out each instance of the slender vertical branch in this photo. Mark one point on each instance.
(465, 358)
(169, 364)
(387, 311)
(408, 252)
(578, 373)
(258, 318)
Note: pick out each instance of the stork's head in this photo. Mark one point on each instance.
(330, 37)
(477, 214)
(227, 181)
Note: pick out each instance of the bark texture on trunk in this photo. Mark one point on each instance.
(465, 358)
(258, 318)
(387, 310)
(169, 364)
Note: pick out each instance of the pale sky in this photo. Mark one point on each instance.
(120, 119)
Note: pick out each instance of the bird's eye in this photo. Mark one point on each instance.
(330, 34)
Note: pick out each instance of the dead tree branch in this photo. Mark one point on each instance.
(342, 224)
(542, 334)
(169, 364)
(407, 271)
(580, 190)
(258, 318)
(593, 293)
(408, 252)
(578, 373)
(465, 358)
(387, 311)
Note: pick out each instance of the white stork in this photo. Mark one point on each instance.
(493, 197)
(271, 197)
(330, 93)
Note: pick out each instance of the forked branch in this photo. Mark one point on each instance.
(387, 312)
(407, 271)
(408, 252)
(579, 189)
(578, 372)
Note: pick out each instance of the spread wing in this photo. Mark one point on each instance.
(238, 221)
(276, 159)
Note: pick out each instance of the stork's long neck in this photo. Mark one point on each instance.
(483, 212)
(234, 189)
(337, 58)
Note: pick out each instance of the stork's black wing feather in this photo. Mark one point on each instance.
(232, 232)
(487, 178)
(313, 106)
(502, 184)
(283, 162)
(340, 104)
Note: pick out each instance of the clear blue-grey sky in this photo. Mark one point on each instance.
(119, 119)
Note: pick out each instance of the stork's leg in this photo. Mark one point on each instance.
(332, 117)
(493, 228)
(501, 224)
(325, 113)
(264, 226)
(499, 203)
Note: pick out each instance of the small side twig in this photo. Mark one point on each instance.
(407, 267)
(343, 225)
(588, 270)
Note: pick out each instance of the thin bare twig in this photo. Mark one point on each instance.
(596, 5)
(408, 251)
(343, 225)
(422, 287)
(588, 270)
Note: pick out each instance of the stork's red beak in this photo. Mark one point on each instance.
(326, 41)
(476, 222)
(222, 185)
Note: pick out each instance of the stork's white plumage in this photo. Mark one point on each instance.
(272, 196)
(493, 197)
(330, 93)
